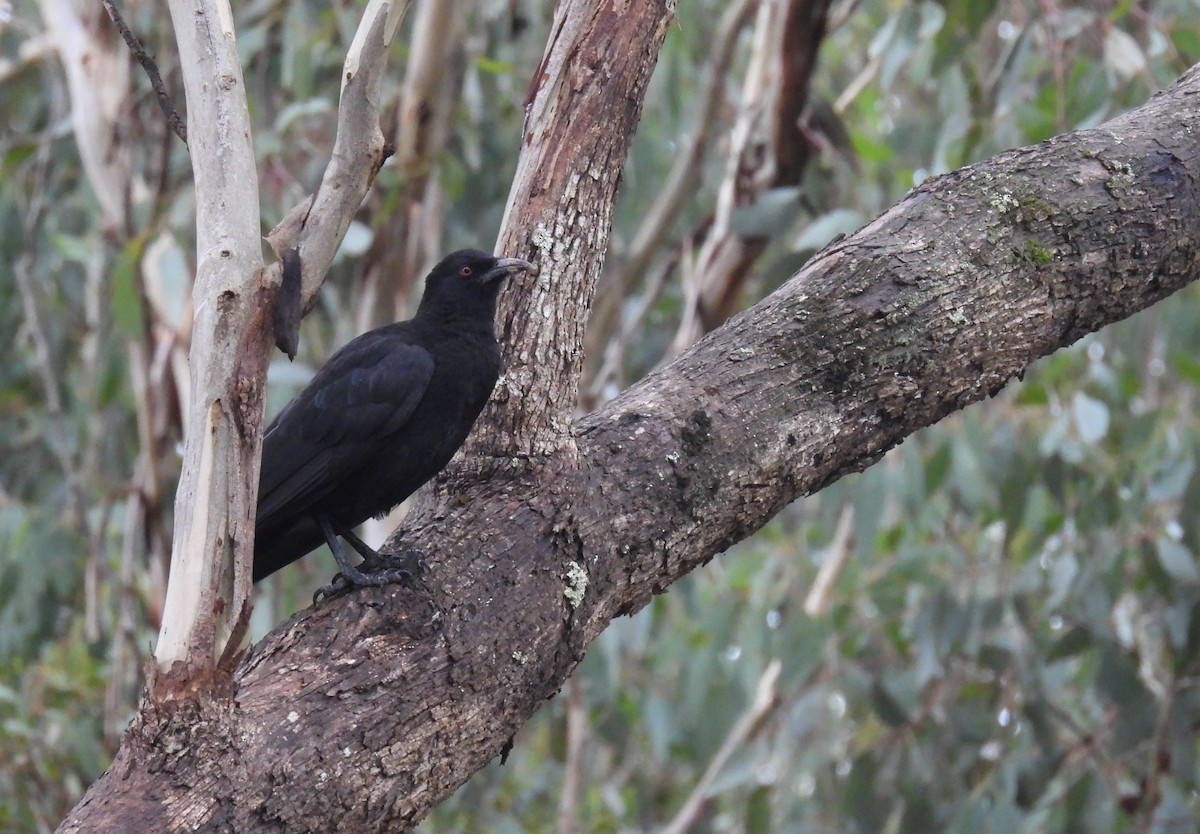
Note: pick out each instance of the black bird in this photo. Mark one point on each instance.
(383, 416)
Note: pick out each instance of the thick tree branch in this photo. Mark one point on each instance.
(361, 714)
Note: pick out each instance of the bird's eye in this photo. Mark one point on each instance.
(466, 272)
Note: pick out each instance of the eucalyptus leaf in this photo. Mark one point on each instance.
(1091, 417)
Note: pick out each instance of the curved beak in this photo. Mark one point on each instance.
(508, 266)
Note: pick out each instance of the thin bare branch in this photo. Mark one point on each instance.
(317, 226)
(770, 151)
(681, 181)
(410, 240)
(573, 767)
(820, 596)
(139, 52)
(748, 725)
(610, 373)
(98, 80)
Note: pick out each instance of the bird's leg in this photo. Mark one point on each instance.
(399, 568)
(371, 558)
(406, 565)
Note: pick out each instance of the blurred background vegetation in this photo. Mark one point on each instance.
(996, 628)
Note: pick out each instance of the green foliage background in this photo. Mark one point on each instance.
(1012, 641)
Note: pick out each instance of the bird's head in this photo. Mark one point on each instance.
(464, 278)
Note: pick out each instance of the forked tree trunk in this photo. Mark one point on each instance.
(363, 713)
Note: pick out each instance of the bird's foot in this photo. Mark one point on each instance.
(372, 572)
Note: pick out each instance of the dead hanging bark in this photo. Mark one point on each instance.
(364, 712)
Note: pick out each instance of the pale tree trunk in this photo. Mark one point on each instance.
(208, 596)
(363, 713)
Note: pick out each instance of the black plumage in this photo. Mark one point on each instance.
(383, 416)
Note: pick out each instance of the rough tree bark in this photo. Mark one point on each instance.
(362, 713)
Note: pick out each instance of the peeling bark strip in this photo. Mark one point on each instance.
(363, 713)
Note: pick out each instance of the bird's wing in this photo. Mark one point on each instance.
(366, 391)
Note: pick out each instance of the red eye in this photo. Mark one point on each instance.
(466, 271)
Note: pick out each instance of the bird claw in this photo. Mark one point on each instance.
(386, 569)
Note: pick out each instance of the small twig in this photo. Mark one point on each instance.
(766, 699)
(820, 595)
(572, 784)
(160, 91)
